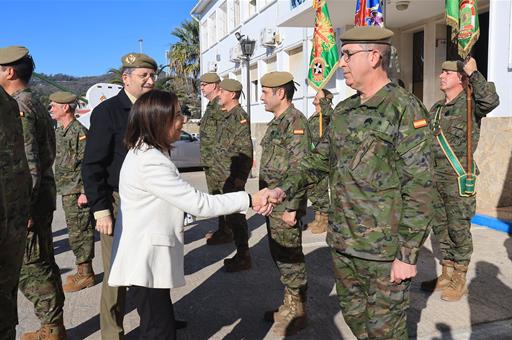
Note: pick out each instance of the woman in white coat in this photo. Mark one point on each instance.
(147, 253)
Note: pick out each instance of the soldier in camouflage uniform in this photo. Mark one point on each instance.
(208, 131)
(40, 276)
(285, 143)
(377, 153)
(71, 137)
(233, 156)
(318, 195)
(449, 116)
(15, 187)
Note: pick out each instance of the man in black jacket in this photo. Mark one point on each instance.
(104, 155)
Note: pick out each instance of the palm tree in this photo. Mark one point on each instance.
(116, 74)
(184, 54)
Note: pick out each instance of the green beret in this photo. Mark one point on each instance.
(11, 54)
(452, 65)
(276, 79)
(231, 85)
(210, 77)
(138, 60)
(63, 97)
(367, 34)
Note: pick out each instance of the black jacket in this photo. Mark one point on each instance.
(104, 151)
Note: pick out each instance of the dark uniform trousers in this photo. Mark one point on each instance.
(237, 222)
(112, 298)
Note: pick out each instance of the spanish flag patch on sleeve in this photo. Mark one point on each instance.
(298, 131)
(243, 121)
(420, 123)
(81, 138)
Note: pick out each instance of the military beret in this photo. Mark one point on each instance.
(138, 60)
(276, 79)
(231, 85)
(63, 97)
(367, 34)
(11, 54)
(453, 65)
(210, 77)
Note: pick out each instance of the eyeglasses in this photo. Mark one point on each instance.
(145, 76)
(346, 55)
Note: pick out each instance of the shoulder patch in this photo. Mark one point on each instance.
(298, 131)
(419, 123)
(243, 121)
(22, 114)
(83, 137)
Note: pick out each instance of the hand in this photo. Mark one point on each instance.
(30, 224)
(470, 66)
(401, 271)
(260, 202)
(289, 218)
(104, 225)
(82, 200)
(320, 94)
(276, 196)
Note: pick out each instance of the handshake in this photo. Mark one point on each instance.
(263, 201)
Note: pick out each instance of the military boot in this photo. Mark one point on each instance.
(219, 237)
(320, 224)
(52, 331)
(457, 288)
(241, 261)
(291, 316)
(84, 278)
(442, 281)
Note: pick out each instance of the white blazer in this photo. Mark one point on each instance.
(148, 235)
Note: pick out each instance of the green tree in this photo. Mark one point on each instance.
(116, 74)
(184, 54)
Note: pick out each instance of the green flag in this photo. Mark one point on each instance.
(462, 16)
(324, 53)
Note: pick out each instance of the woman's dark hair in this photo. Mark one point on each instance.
(151, 119)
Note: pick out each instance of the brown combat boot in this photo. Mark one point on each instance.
(291, 316)
(52, 331)
(84, 278)
(218, 237)
(442, 281)
(457, 288)
(319, 225)
(241, 261)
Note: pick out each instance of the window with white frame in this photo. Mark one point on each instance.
(238, 75)
(204, 34)
(236, 13)
(264, 3)
(251, 9)
(211, 29)
(271, 64)
(222, 23)
(254, 83)
(296, 64)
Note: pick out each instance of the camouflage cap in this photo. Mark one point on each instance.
(367, 34)
(231, 85)
(453, 65)
(138, 60)
(63, 97)
(210, 77)
(276, 79)
(11, 54)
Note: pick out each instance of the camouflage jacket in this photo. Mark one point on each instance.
(314, 121)
(15, 180)
(68, 162)
(286, 141)
(207, 132)
(380, 176)
(233, 151)
(39, 139)
(453, 119)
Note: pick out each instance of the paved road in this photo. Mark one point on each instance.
(222, 305)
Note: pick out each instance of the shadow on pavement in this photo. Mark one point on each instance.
(445, 330)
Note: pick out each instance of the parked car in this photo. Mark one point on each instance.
(185, 153)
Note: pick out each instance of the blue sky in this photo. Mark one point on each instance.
(83, 38)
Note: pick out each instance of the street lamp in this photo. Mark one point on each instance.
(247, 46)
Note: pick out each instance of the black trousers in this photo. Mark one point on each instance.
(156, 313)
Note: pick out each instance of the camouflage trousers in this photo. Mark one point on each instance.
(453, 227)
(234, 223)
(319, 196)
(40, 276)
(286, 250)
(12, 245)
(372, 307)
(80, 229)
